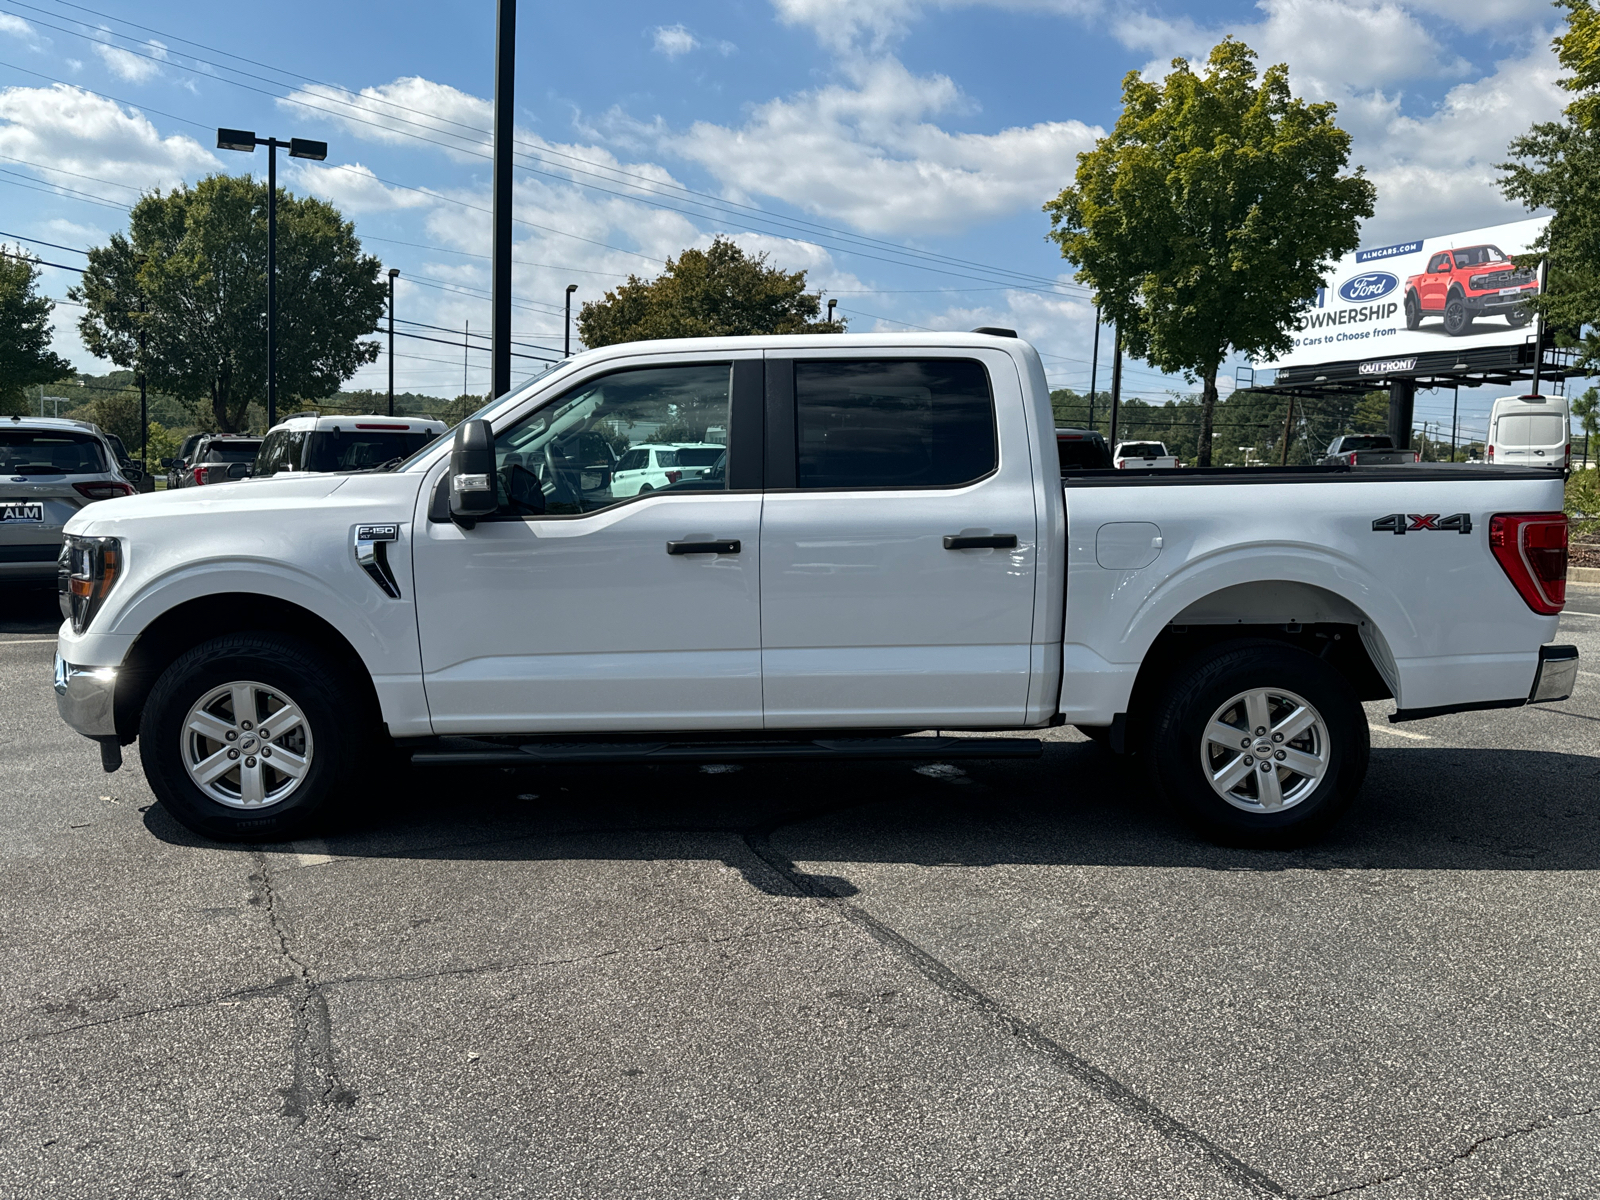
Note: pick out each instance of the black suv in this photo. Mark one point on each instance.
(213, 458)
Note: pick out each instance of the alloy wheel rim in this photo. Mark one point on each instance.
(246, 745)
(1265, 750)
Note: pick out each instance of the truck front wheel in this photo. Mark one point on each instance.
(1259, 743)
(249, 737)
(1457, 317)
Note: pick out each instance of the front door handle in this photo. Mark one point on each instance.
(725, 546)
(981, 541)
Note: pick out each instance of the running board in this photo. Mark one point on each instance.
(655, 752)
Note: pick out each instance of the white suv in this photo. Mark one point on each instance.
(648, 468)
(49, 469)
(308, 442)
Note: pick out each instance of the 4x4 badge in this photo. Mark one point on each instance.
(1417, 522)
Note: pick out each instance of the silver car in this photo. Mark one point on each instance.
(50, 467)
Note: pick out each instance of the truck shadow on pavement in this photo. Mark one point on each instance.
(1451, 809)
(28, 607)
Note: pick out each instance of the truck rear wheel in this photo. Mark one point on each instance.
(249, 737)
(1259, 743)
(1413, 308)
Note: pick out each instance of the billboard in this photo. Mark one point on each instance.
(1386, 305)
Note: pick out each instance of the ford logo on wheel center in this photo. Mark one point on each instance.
(1368, 286)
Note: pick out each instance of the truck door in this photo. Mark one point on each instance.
(579, 608)
(898, 541)
(1436, 283)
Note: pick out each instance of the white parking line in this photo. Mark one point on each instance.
(312, 852)
(1400, 733)
(24, 641)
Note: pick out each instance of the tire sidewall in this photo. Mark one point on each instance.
(278, 662)
(1209, 681)
(1413, 311)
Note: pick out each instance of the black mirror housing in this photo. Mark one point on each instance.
(167, 462)
(473, 490)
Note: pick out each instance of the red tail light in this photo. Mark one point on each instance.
(1491, 453)
(102, 491)
(1416, 456)
(1351, 458)
(199, 474)
(1532, 550)
(674, 476)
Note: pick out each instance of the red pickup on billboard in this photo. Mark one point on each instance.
(1463, 285)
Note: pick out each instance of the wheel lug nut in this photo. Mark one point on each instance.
(232, 736)
(1266, 766)
(1245, 742)
(1277, 737)
(265, 735)
(266, 752)
(244, 724)
(1280, 755)
(1260, 729)
(233, 754)
(250, 762)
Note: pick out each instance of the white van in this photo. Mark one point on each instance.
(1530, 431)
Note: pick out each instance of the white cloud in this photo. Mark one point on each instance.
(16, 27)
(870, 25)
(1486, 14)
(355, 189)
(674, 40)
(64, 127)
(135, 68)
(867, 154)
(403, 110)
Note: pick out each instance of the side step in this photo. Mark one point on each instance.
(655, 752)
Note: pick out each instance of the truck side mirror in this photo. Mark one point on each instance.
(473, 490)
(167, 462)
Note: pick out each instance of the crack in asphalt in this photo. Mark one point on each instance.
(277, 987)
(314, 1081)
(1097, 1081)
(1471, 1149)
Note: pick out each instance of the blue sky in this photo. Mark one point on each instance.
(895, 130)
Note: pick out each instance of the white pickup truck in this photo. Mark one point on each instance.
(889, 547)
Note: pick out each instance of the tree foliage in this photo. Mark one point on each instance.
(1206, 219)
(191, 274)
(716, 292)
(26, 359)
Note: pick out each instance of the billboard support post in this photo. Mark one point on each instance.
(1538, 330)
(1288, 424)
(1402, 406)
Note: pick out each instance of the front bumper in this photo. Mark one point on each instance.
(1493, 302)
(86, 698)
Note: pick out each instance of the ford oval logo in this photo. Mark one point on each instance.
(1368, 287)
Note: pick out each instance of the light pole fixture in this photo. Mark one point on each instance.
(566, 350)
(393, 271)
(247, 141)
(505, 72)
(831, 305)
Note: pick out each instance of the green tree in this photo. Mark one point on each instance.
(1584, 408)
(706, 293)
(191, 273)
(26, 359)
(1206, 219)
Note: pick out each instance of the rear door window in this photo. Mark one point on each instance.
(1530, 429)
(893, 423)
(357, 450)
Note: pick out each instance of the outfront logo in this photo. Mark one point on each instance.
(1369, 286)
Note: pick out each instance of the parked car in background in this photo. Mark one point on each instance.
(218, 458)
(311, 442)
(1135, 456)
(1462, 285)
(1530, 431)
(1082, 449)
(1366, 450)
(49, 469)
(178, 465)
(649, 468)
(126, 463)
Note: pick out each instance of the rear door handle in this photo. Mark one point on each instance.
(981, 541)
(725, 546)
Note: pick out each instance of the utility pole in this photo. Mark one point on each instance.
(393, 271)
(505, 70)
(1288, 423)
(1094, 364)
(144, 407)
(1116, 384)
(466, 337)
(1455, 402)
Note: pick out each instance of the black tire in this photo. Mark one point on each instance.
(342, 735)
(645, 487)
(1413, 308)
(1179, 748)
(1457, 318)
(1518, 317)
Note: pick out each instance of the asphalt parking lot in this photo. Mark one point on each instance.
(1008, 979)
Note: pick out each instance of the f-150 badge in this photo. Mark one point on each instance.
(1418, 522)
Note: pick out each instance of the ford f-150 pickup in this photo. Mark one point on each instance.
(1366, 450)
(888, 546)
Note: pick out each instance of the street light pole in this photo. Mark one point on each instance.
(393, 271)
(505, 70)
(567, 346)
(832, 304)
(246, 141)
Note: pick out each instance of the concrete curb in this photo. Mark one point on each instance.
(1583, 575)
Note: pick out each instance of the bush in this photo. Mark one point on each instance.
(1583, 502)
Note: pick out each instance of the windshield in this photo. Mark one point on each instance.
(327, 450)
(1144, 450)
(1373, 442)
(697, 456)
(48, 452)
(1474, 256)
(1083, 452)
(232, 452)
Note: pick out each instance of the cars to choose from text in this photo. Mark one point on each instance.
(889, 542)
(50, 468)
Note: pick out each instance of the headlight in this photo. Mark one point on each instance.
(88, 569)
